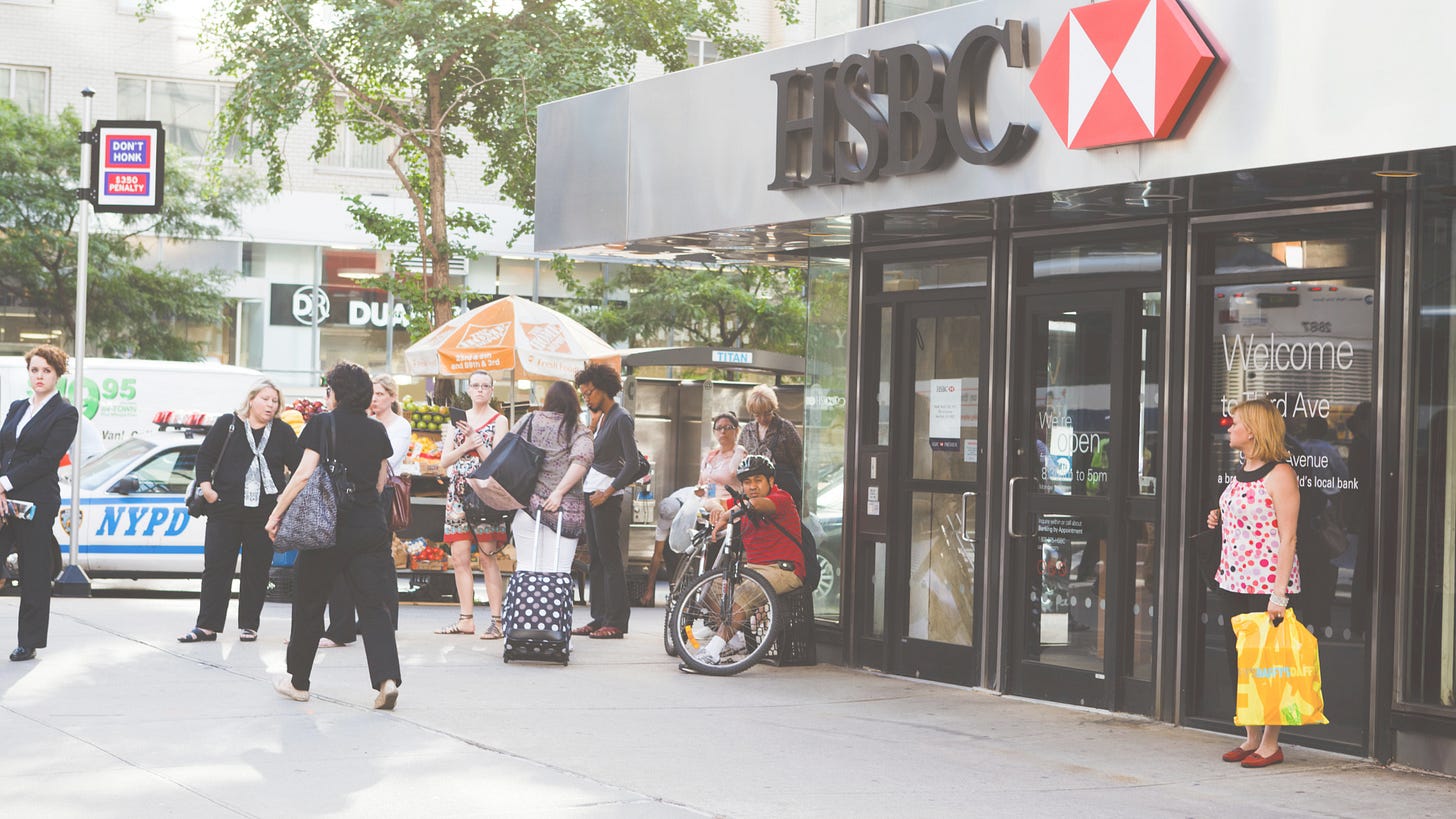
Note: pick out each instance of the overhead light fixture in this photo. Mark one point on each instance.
(1397, 173)
(515, 257)
(357, 274)
(37, 336)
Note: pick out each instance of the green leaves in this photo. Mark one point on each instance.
(430, 78)
(133, 309)
(716, 305)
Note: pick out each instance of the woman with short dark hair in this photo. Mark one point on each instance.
(360, 553)
(37, 432)
(240, 471)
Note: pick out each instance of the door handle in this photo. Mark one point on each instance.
(966, 534)
(1011, 507)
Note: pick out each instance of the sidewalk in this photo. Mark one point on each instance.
(118, 719)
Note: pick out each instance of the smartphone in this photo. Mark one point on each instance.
(456, 415)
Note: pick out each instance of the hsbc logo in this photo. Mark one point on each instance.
(1115, 72)
(1121, 71)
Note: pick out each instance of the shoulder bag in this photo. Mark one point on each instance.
(311, 521)
(399, 508)
(196, 503)
(1207, 547)
(513, 466)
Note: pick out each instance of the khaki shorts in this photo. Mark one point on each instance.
(782, 581)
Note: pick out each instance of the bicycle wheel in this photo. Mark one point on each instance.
(696, 618)
(689, 566)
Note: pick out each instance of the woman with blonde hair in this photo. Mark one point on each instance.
(1258, 570)
(240, 471)
(772, 435)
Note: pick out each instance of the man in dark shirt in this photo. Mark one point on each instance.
(613, 468)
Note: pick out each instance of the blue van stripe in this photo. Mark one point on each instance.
(141, 550)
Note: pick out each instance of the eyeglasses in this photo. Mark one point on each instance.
(328, 390)
(724, 428)
(481, 386)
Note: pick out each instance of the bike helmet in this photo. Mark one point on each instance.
(755, 465)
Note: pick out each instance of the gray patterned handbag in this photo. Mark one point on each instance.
(311, 521)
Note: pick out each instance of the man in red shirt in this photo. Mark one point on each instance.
(767, 548)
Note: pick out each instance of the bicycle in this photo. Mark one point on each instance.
(749, 601)
(690, 565)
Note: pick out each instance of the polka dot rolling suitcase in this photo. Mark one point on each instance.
(538, 610)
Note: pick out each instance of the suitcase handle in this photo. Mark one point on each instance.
(556, 555)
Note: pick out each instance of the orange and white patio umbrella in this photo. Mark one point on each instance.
(510, 333)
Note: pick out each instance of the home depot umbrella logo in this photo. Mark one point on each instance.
(1121, 71)
(488, 336)
(546, 338)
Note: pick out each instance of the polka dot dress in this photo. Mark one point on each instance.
(1250, 540)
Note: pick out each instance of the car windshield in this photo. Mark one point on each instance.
(99, 471)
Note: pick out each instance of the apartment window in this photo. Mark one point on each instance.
(351, 153)
(187, 110)
(702, 51)
(26, 87)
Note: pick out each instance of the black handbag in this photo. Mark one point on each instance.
(1207, 547)
(196, 503)
(514, 463)
(311, 522)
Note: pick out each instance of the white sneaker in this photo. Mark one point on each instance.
(284, 685)
(388, 693)
(737, 644)
(707, 657)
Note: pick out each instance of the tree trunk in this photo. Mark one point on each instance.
(439, 243)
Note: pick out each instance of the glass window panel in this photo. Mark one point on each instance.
(1429, 617)
(186, 109)
(1308, 346)
(835, 17)
(1144, 538)
(825, 405)
(1149, 341)
(1102, 256)
(942, 568)
(929, 275)
(877, 594)
(131, 99)
(1073, 401)
(882, 393)
(898, 9)
(29, 90)
(1067, 599)
(947, 397)
(1288, 249)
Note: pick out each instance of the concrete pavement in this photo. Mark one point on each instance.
(118, 719)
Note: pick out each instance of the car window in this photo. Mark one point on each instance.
(98, 471)
(167, 473)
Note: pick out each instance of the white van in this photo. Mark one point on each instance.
(123, 395)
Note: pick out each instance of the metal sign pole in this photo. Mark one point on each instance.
(73, 581)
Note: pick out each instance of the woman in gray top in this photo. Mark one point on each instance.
(567, 446)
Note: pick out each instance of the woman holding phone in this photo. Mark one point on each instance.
(467, 444)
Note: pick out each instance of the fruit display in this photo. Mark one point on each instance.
(304, 407)
(425, 446)
(293, 418)
(425, 417)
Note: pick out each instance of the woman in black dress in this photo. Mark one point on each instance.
(240, 470)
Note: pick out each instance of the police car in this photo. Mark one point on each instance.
(134, 521)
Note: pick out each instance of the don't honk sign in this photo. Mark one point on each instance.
(127, 166)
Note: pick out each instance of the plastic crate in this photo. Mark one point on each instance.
(795, 645)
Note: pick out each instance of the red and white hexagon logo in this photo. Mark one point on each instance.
(1121, 71)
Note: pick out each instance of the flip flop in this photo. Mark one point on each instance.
(197, 635)
(248, 635)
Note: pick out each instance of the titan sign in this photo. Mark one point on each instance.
(934, 107)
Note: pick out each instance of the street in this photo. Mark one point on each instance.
(118, 719)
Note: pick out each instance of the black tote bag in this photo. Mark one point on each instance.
(514, 463)
(1207, 545)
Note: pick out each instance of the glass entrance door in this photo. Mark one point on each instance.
(1084, 524)
(937, 444)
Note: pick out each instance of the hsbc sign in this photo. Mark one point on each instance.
(1115, 72)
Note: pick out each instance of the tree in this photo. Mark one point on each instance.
(728, 305)
(429, 77)
(132, 310)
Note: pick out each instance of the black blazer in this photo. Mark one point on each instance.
(32, 463)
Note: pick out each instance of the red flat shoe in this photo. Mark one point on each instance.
(1256, 761)
(1238, 754)
(606, 633)
(583, 631)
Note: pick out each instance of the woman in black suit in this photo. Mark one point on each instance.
(37, 432)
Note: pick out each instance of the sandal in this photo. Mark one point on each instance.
(606, 633)
(494, 632)
(247, 635)
(454, 628)
(583, 631)
(197, 635)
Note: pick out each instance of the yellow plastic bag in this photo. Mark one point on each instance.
(1279, 672)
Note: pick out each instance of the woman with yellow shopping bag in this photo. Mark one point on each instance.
(1258, 571)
